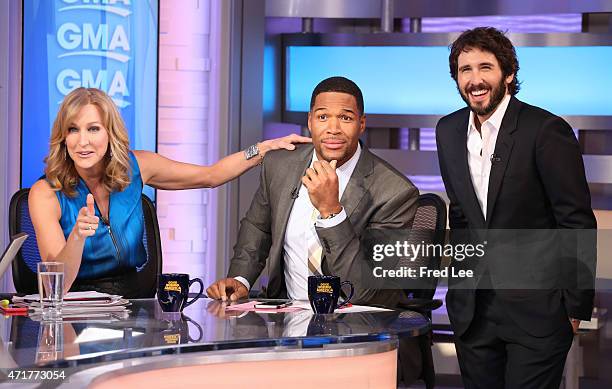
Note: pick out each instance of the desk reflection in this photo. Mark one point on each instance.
(204, 326)
(56, 341)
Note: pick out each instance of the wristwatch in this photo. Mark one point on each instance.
(329, 216)
(251, 152)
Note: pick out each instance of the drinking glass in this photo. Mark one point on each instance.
(51, 288)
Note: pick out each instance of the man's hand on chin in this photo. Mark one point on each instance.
(321, 181)
(227, 286)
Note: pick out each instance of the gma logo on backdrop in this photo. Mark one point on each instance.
(102, 40)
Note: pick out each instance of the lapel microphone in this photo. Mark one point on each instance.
(494, 158)
(295, 193)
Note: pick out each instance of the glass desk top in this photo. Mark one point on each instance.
(203, 326)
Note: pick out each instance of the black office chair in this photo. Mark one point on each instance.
(428, 227)
(24, 265)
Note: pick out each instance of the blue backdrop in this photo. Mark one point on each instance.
(110, 44)
(567, 80)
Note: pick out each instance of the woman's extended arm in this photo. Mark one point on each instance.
(45, 214)
(164, 173)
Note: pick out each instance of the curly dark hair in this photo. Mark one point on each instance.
(492, 40)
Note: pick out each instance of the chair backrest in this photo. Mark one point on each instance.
(149, 273)
(24, 265)
(428, 227)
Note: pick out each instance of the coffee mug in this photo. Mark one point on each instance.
(173, 291)
(324, 291)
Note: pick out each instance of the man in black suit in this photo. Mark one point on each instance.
(512, 166)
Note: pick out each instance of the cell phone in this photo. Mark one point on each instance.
(273, 304)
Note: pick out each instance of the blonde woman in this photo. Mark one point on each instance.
(87, 211)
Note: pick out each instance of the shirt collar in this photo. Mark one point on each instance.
(495, 120)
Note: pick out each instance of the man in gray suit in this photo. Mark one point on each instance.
(311, 208)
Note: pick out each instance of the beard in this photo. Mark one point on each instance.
(340, 155)
(497, 95)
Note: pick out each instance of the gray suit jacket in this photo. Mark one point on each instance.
(377, 196)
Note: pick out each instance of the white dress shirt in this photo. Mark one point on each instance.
(301, 231)
(481, 147)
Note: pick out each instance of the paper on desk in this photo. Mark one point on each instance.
(350, 309)
(250, 306)
(74, 298)
(95, 306)
(360, 308)
(78, 303)
(87, 314)
(299, 305)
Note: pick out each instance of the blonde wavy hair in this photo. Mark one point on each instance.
(60, 170)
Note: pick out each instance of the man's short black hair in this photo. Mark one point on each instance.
(338, 84)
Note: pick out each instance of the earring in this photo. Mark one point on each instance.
(65, 154)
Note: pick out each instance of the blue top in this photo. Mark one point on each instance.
(116, 247)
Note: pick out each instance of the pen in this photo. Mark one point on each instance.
(14, 310)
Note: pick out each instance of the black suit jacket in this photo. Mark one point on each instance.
(537, 181)
(377, 196)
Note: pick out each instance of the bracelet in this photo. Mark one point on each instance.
(253, 151)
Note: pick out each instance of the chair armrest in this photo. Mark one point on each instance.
(423, 305)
